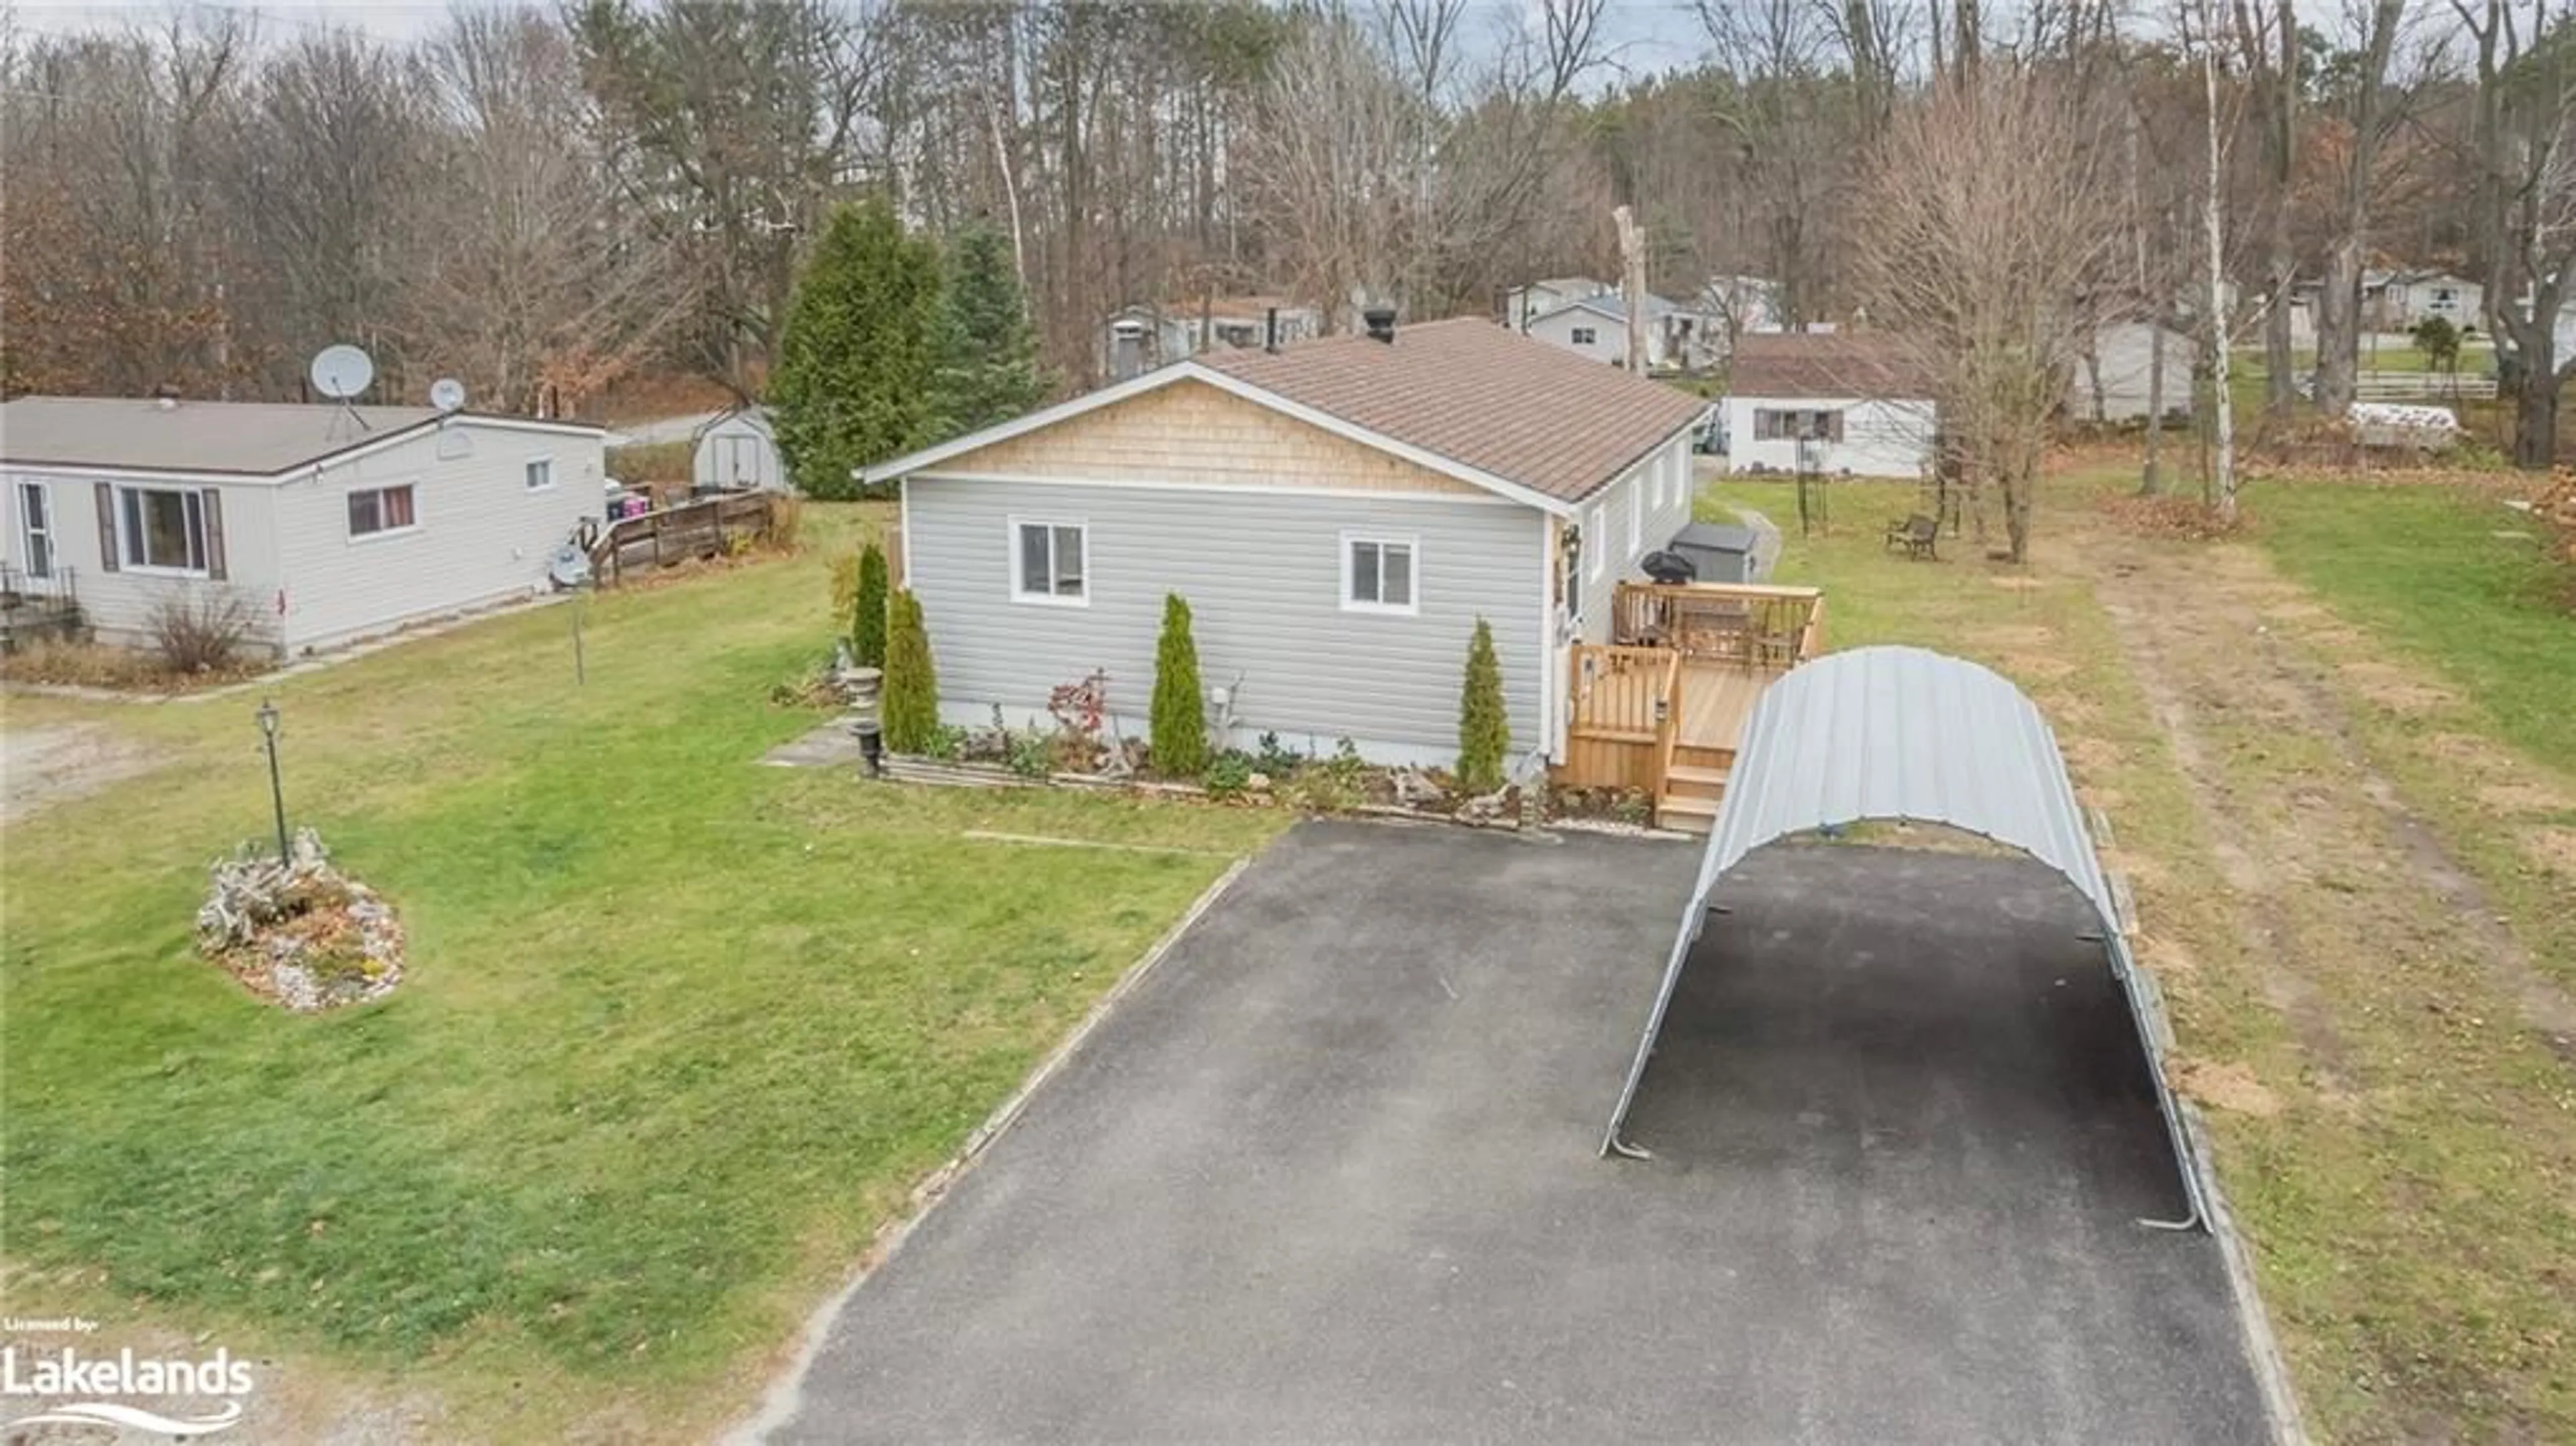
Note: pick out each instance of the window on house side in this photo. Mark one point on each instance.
(36, 527)
(541, 474)
(1584, 335)
(380, 509)
(1636, 518)
(163, 527)
(1377, 574)
(1051, 562)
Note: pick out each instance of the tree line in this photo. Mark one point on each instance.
(544, 200)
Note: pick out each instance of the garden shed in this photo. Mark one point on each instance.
(739, 449)
(1900, 733)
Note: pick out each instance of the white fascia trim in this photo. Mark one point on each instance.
(928, 457)
(553, 426)
(314, 467)
(38, 471)
(1271, 489)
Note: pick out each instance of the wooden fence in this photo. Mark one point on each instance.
(709, 527)
(2423, 387)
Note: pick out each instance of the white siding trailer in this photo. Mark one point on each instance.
(330, 523)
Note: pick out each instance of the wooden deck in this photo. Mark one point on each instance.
(1716, 699)
(1662, 709)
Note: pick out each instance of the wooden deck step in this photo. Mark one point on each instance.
(1699, 778)
(1687, 813)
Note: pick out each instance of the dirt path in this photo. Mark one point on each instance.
(41, 767)
(2415, 1140)
(2230, 653)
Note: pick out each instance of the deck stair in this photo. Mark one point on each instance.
(1690, 797)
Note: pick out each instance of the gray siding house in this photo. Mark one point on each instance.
(330, 523)
(1338, 513)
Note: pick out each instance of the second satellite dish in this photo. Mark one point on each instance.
(447, 394)
(341, 372)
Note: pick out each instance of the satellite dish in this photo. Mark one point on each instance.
(341, 372)
(447, 394)
(568, 566)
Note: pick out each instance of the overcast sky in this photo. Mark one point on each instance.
(1645, 35)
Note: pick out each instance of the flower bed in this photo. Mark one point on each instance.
(1274, 775)
(298, 932)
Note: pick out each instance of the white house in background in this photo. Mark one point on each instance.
(1137, 339)
(331, 523)
(1597, 327)
(1847, 403)
(1735, 306)
(2111, 382)
(2402, 299)
(738, 449)
(1525, 304)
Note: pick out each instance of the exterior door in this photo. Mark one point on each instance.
(36, 529)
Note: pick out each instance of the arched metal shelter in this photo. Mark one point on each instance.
(1904, 733)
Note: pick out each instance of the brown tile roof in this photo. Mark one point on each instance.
(1823, 364)
(1524, 410)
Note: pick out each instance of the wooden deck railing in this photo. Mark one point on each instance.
(1753, 624)
(704, 528)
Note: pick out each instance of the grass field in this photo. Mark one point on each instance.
(679, 1032)
(2328, 756)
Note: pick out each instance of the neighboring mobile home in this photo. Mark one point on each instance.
(329, 522)
(1525, 304)
(1138, 339)
(739, 449)
(1841, 403)
(1597, 327)
(1338, 514)
(2112, 382)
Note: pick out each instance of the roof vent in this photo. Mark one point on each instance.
(165, 396)
(1381, 323)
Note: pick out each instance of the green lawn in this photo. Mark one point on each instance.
(678, 1031)
(2452, 576)
(2391, 1119)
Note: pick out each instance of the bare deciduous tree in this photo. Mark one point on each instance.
(1986, 216)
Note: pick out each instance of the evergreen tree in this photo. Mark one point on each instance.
(910, 700)
(1180, 741)
(1484, 731)
(868, 613)
(988, 351)
(859, 356)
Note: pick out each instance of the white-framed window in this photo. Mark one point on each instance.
(1596, 541)
(541, 473)
(163, 529)
(1381, 574)
(378, 510)
(1585, 335)
(36, 528)
(1050, 562)
(1656, 471)
(1636, 516)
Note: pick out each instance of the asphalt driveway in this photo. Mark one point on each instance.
(1329, 1174)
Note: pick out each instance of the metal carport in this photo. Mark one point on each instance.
(1901, 733)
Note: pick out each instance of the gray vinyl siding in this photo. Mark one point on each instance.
(1262, 572)
(1660, 523)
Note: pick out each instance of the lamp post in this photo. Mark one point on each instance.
(276, 791)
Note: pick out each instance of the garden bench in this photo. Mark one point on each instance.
(1916, 534)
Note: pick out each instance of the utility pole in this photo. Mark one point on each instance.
(1632, 286)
